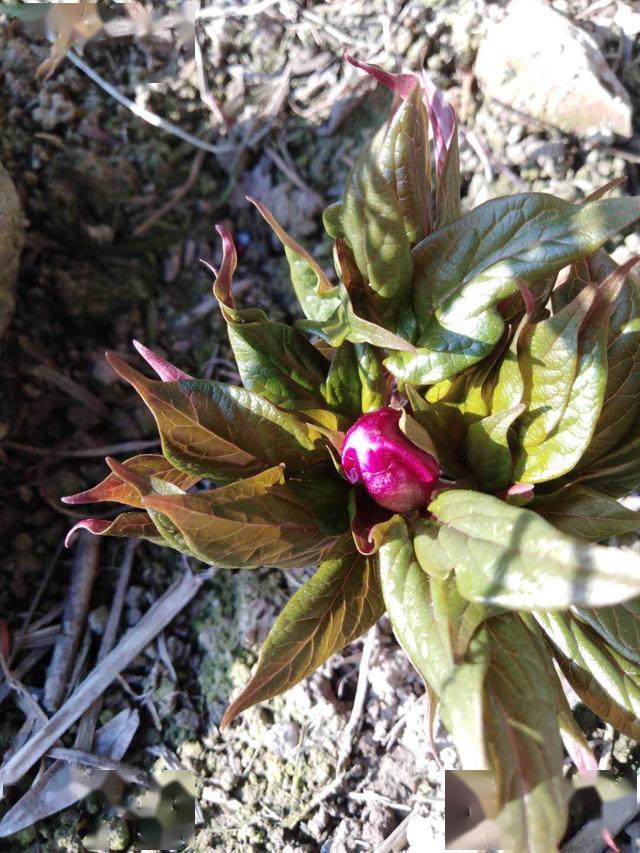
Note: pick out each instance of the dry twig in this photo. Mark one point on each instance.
(175, 199)
(154, 620)
(355, 720)
(84, 572)
(142, 112)
(87, 725)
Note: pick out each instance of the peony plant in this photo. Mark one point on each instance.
(445, 436)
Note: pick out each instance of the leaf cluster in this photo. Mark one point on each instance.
(512, 342)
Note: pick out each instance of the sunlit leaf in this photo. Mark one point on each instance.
(622, 394)
(463, 270)
(548, 362)
(220, 431)
(145, 484)
(135, 525)
(435, 630)
(511, 556)
(605, 680)
(523, 740)
(443, 427)
(406, 165)
(274, 359)
(316, 295)
(488, 448)
(618, 625)
(562, 447)
(433, 559)
(373, 224)
(250, 523)
(112, 488)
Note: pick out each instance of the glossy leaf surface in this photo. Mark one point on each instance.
(511, 556)
(250, 523)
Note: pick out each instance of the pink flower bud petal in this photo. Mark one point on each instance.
(398, 475)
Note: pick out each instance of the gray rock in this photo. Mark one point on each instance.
(11, 242)
(537, 62)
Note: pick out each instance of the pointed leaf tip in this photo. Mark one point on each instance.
(125, 371)
(165, 370)
(400, 84)
(222, 284)
(93, 525)
(78, 498)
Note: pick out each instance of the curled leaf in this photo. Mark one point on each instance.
(128, 524)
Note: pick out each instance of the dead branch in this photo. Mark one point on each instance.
(154, 620)
(84, 571)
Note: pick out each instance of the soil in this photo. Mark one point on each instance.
(99, 269)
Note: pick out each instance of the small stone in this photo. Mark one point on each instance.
(538, 62)
(319, 823)
(102, 234)
(98, 619)
(282, 738)
(449, 758)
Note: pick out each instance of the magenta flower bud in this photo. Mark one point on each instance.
(398, 475)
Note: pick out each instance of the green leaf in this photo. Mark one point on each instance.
(274, 359)
(587, 513)
(572, 735)
(488, 448)
(336, 606)
(373, 224)
(373, 379)
(605, 681)
(448, 191)
(343, 388)
(406, 165)
(619, 625)
(432, 557)
(128, 524)
(316, 295)
(332, 220)
(220, 431)
(345, 325)
(622, 394)
(523, 740)
(251, 523)
(469, 392)
(508, 389)
(464, 270)
(548, 362)
(435, 626)
(279, 363)
(563, 447)
(325, 493)
(617, 472)
(510, 556)
(444, 429)
(356, 382)
(145, 485)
